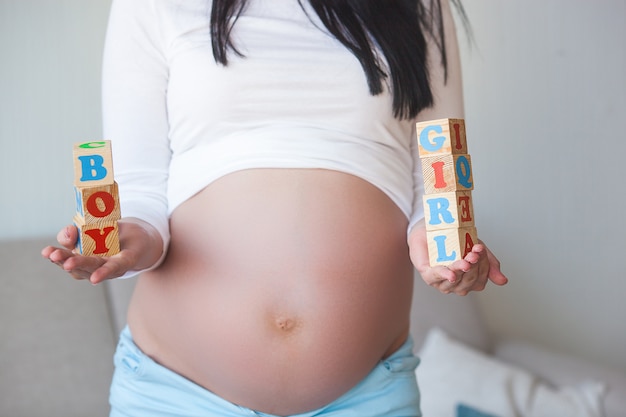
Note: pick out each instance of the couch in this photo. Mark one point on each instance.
(57, 338)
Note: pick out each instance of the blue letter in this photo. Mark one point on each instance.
(437, 142)
(441, 249)
(439, 210)
(92, 168)
(463, 171)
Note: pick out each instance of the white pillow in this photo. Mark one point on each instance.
(455, 378)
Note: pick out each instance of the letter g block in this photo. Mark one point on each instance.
(441, 137)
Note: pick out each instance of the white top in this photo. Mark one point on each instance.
(298, 99)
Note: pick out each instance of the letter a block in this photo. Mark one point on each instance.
(97, 199)
(448, 182)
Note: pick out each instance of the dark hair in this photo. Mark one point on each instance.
(396, 27)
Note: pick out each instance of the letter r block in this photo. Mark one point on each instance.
(441, 137)
(93, 164)
(448, 245)
(448, 210)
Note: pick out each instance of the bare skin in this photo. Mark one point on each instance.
(297, 278)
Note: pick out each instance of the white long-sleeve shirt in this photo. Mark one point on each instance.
(297, 99)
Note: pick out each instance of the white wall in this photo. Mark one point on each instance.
(50, 54)
(545, 93)
(546, 111)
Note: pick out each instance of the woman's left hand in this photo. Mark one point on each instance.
(471, 273)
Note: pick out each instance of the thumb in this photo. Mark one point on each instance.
(68, 236)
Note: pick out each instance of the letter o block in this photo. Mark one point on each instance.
(98, 204)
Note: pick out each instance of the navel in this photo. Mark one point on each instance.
(286, 324)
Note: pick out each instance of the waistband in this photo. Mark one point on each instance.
(142, 387)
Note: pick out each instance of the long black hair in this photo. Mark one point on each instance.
(396, 27)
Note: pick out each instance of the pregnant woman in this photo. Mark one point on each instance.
(272, 201)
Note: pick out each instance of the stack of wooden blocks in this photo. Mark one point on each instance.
(97, 199)
(448, 185)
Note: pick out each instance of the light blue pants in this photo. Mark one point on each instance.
(143, 388)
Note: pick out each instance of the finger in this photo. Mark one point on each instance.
(47, 251)
(114, 266)
(84, 264)
(79, 274)
(68, 236)
(495, 274)
(57, 255)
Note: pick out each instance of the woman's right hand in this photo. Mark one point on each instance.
(140, 243)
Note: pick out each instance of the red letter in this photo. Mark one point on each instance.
(458, 144)
(469, 244)
(100, 236)
(465, 214)
(107, 201)
(440, 181)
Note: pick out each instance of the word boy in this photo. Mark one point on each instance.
(448, 186)
(97, 199)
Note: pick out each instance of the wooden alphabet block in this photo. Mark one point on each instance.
(93, 164)
(448, 182)
(441, 137)
(100, 239)
(445, 173)
(97, 199)
(448, 245)
(98, 204)
(448, 210)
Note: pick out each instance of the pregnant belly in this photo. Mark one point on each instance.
(281, 290)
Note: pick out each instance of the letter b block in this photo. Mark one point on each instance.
(93, 164)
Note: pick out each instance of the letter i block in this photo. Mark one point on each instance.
(448, 245)
(445, 173)
(449, 210)
(97, 199)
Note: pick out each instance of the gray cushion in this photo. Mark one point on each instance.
(459, 316)
(56, 341)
